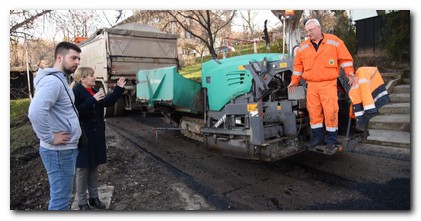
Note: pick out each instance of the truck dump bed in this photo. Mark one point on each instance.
(125, 49)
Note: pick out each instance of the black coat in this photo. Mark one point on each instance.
(91, 115)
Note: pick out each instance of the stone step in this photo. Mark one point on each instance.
(400, 97)
(388, 76)
(105, 193)
(394, 75)
(407, 80)
(402, 88)
(391, 138)
(396, 108)
(406, 73)
(397, 122)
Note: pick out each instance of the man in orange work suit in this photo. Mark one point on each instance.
(318, 61)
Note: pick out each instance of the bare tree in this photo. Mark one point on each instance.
(325, 17)
(22, 33)
(80, 22)
(33, 33)
(154, 18)
(50, 26)
(75, 23)
(198, 48)
(205, 25)
(23, 20)
(248, 17)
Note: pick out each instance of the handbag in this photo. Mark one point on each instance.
(83, 140)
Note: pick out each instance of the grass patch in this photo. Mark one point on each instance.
(21, 132)
(193, 72)
(18, 108)
(22, 136)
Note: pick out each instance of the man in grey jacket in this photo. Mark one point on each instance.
(56, 124)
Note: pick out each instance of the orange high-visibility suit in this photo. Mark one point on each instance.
(368, 94)
(321, 69)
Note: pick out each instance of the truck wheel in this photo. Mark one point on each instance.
(119, 106)
(117, 109)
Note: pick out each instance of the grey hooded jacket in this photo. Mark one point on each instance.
(51, 110)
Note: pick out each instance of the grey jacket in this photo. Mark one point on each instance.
(51, 110)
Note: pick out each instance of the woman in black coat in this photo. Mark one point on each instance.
(90, 104)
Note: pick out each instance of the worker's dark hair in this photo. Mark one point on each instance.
(64, 47)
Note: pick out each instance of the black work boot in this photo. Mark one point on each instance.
(95, 202)
(84, 207)
(314, 143)
(331, 141)
(330, 147)
(331, 137)
(317, 137)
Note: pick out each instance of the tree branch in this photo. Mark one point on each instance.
(28, 20)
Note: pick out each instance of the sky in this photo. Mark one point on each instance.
(195, 4)
(259, 19)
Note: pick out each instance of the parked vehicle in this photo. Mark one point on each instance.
(225, 49)
(123, 51)
(242, 107)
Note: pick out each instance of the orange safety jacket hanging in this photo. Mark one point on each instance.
(323, 65)
(368, 95)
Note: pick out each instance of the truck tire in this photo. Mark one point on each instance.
(117, 109)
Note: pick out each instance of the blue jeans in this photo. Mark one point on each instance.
(60, 166)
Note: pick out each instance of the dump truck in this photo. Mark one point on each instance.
(242, 107)
(121, 52)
